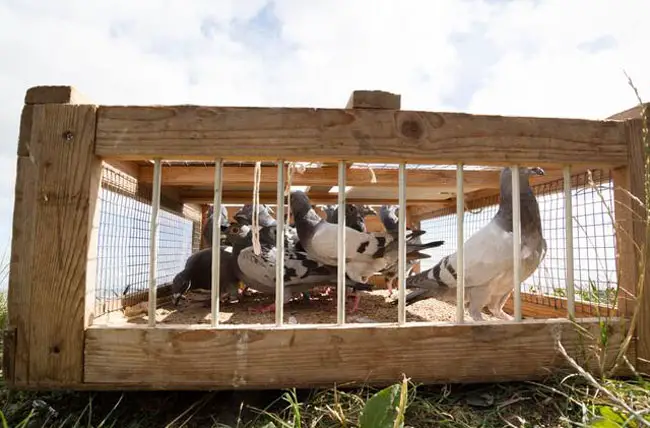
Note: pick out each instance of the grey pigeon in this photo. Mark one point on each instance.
(301, 273)
(388, 216)
(488, 255)
(245, 215)
(198, 274)
(207, 230)
(366, 253)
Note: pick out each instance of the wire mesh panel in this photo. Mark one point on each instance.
(123, 244)
(595, 276)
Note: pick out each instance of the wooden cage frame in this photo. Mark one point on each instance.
(51, 343)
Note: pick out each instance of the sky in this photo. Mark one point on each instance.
(548, 58)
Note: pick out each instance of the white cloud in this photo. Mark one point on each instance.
(519, 57)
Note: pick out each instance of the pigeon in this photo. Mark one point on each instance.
(388, 216)
(301, 273)
(488, 255)
(207, 230)
(198, 274)
(245, 215)
(366, 253)
(354, 215)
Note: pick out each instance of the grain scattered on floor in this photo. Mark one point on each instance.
(374, 307)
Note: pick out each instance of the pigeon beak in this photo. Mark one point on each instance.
(537, 171)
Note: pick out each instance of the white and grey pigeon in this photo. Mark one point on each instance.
(388, 216)
(488, 255)
(301, 272)
(366, 253)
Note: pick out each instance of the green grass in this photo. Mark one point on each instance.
(555, 403)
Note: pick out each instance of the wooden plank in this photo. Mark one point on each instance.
(637, 176)
(55, 95)
(205, 197)
(540, 306)
(198, 357)
(365, 135)
(326, 176)
(631, 113)
(626, 252)
(374, 99)
(63, 210)
(22, 251)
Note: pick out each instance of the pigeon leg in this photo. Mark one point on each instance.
(389, 284)
(355, 306)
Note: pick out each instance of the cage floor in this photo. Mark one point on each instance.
(319, 309)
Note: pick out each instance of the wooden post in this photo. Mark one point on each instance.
(54, 244)
(635, 184)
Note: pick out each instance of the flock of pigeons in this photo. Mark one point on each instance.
(310, 259)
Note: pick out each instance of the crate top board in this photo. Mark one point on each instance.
(350, 134)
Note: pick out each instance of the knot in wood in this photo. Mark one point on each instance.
(68, 136)
(411, 129)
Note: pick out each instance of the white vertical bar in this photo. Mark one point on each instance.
(568, 215)
(340, 283)
(215, 293)
(153, 240)
(460, 238)
(401, 261)
(279, 245)
(516, 240)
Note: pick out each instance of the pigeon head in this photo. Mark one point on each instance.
(224, 217)
(300, 205)
(245, 215)
(388, 216)
(239, 235)
(180, 284)
(524, 174)
(367, 210)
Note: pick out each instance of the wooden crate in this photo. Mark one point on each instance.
(50, 342)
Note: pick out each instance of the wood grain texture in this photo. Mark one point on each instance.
(626, 250)
(67, 191)
(268, 357)
(366, 135)
(55, 95)
(205, 196)
(327, 176)
(374, 99)
(637, 174)
(22, 248)
(536, 306)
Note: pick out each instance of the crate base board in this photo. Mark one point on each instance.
(266, 357)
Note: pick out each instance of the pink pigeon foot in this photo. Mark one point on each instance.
(263, 309)
(355, 306)
(389, 285)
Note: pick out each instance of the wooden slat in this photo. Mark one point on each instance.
(177, 357)
(55, 95)
(365, 135)
(536, 306)
(204, 176)
(22, 251)
(374, 99)
(204, 197)
(636, 176)
(68, 178)
(626, 252)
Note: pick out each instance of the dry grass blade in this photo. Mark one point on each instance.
(601, 388)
